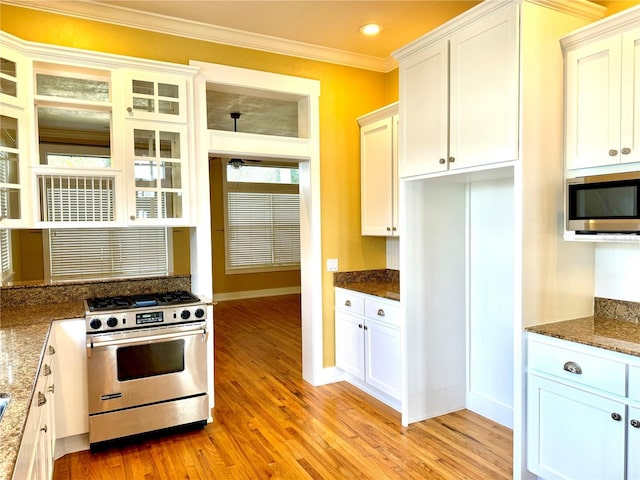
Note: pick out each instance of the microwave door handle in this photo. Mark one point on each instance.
(145, 339)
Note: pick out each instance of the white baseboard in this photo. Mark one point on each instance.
(269, 292)
(71, 444)
(490, 409)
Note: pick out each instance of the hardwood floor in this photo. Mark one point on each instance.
(269, 423)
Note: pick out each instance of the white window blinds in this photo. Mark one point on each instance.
(105, 253)
(67, 198)
(263, 226)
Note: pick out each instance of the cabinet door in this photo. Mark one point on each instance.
(633, 444)
(382, 355)
(350, 344)
(572, 434)
(154, 97)
(158, 172)
(630, 115)
(13, 168)
(376, 150)
(424, 93)
(593, 104)
(484, 92)
(15, 82)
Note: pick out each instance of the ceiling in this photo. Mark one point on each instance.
(325, 30)
(332, 24)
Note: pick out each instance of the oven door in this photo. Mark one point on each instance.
(146, 366)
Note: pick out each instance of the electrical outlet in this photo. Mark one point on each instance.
(332, 265)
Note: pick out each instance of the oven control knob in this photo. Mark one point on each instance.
(199, 313)
(95, 323)
(185, 314)
(112, 321)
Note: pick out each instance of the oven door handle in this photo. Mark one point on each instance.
(91, 344)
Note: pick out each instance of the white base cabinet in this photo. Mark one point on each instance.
(582, 423)
(368, 343)
(35, 457)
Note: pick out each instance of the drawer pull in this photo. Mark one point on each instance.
(616, 416)
(380, 312)
(41, 399)
(573, 367)
(47, 370)
(635, 423)
(51, 350)
(44, 429)
(52, 388)
(347, 303)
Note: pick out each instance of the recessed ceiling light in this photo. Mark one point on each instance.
(371, 29)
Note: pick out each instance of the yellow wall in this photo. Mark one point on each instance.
(615, 6)
(346, 93)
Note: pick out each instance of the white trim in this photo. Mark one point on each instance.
(307, 153)
(269, 292)
(71, 444)
(210, 33)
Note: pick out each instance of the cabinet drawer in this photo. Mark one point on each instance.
(349, 302)
(579, 367)
(382, 311)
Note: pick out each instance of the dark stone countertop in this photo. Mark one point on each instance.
(380, 283)
(24, 332)
(616, 335)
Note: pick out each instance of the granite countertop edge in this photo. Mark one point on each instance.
(379, 283)
(610, 334)
(24, 333)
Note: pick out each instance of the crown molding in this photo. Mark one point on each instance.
(89, 10)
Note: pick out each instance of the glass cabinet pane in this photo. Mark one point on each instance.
(9, 172)
(170, 144)
(146, 204)
(8, 77)
(171, 175)
(8, 132)
(146, 174)
(10, 203)
(144, 143)
(172, 202)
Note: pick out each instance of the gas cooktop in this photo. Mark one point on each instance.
(179, 297)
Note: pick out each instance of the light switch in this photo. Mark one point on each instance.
(332, 265)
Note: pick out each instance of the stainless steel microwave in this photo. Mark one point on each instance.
(603, 203)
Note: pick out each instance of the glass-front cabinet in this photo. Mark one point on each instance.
(151, 96)
(158, 156)
(92, 140)
(13, 168)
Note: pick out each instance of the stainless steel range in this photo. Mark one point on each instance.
(146, 364)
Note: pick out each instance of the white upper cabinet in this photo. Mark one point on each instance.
(459, 97)
(14, 167)
(15, 81)
(150, 96)
(602, 88)
(379, 172)
(424, 79)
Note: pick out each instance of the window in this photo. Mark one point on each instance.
(262, 224)
(5, 255)
(108, 252)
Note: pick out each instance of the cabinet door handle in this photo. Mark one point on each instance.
(394, 228)
(626, 151)
(616, 416)
(347, 303)
(44, 429)
(380, 312)
(451, 159)
(388, 229)
(635, 423)
(51, 350)
(573, 367)
(129, 109)
(41, 399)
(52, 388)
(442, 161)
(47, 370)
(359, 325)
(613, 152)
(366, 328)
